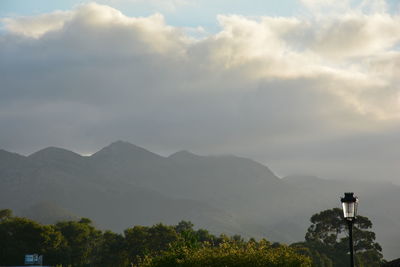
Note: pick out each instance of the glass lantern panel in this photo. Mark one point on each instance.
(349, 209)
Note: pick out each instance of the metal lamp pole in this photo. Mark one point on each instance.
(350, 224)
(350, 204)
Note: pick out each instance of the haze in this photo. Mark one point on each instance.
(309, 87)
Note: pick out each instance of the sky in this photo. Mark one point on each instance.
(307, 87)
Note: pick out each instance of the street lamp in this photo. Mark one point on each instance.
(349, 204)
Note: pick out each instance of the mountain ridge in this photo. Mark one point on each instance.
(123, 184)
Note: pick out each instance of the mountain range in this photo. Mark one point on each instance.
(124, 185)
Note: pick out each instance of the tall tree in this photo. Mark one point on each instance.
(142, 240)
(328, 236)
(82, 240)
(111, 251)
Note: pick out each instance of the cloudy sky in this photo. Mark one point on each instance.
(304, 86)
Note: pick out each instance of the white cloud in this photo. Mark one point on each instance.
(258, 83)
(356, 35)
(38, 25)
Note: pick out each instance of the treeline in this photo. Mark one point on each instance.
(79, 243)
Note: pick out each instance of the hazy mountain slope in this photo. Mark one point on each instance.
(11, 161)
(264, 204)
(72, 182)
(237, 185)
(13, 167)
(47, 213)
(123, 184)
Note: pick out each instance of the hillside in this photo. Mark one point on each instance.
(123, 185)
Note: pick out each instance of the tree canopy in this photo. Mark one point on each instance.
(327, 240)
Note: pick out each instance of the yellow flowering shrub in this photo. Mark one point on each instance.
(229, 254)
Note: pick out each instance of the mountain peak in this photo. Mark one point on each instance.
(54, 153)
(124, 149)
(120, 143)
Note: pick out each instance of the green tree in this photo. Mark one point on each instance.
(184, 226)
(327, 235)
(142, 240)
(82, 241)
(5, 214)
(20, 236)
(111, 251)
(193, 238)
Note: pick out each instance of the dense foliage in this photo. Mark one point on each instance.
(79, 243)
(229, 253)
(327, 241)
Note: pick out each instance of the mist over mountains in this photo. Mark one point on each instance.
(123, 185)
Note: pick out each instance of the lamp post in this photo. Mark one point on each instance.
(349, 204)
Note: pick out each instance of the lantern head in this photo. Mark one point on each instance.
(349, 204)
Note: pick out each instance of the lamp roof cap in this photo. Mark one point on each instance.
(349, 197)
